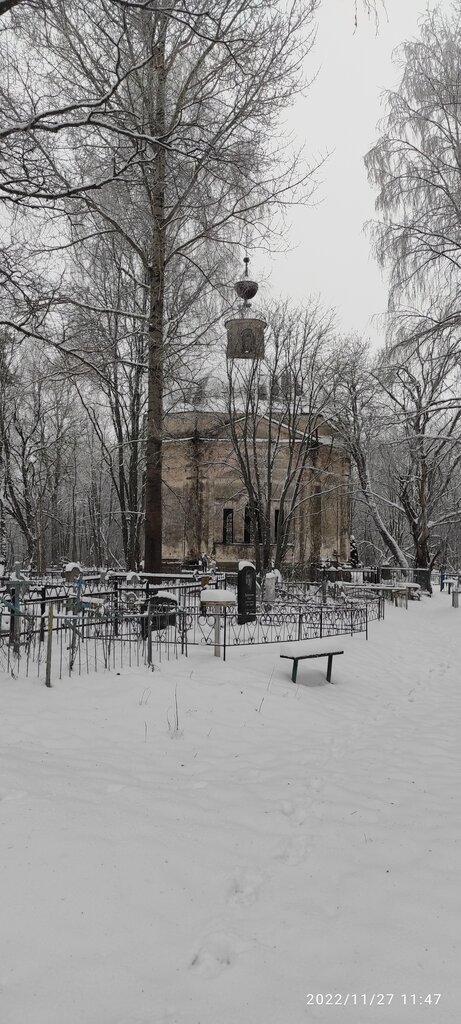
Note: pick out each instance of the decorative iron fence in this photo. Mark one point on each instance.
(282, 623)
(25, 603)
(62, 628)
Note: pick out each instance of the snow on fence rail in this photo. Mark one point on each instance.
(282, 623)
(56, 631)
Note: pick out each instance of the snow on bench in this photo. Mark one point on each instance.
(299, 650)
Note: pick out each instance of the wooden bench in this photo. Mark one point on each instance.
(300, 650)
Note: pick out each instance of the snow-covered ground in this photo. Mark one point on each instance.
(266, 842)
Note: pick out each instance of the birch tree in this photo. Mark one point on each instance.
(400, 418)
(361, 418)
(415, 165)
(426, 452)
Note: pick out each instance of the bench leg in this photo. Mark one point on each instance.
(330, 662)
(295, 670)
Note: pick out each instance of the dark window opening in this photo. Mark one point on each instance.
(228, 526)
(247, 526)
(248, 529)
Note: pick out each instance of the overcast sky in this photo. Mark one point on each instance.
(340, 113)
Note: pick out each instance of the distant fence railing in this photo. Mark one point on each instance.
(309, 575)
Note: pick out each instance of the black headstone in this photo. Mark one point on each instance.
(246, 593)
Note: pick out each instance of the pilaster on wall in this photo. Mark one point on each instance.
(175, 502)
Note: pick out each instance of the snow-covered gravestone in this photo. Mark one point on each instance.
(246, 592)
(270, 581)
(72, 571)
(216, 601)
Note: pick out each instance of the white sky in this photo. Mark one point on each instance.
(331, 254)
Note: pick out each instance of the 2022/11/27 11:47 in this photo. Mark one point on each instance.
(372, 998)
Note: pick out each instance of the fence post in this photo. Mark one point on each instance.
(149, 633)
(300, 626)
(321, 621)
(15, 621)
(116, 605)
(12, 603)
(49, 646)
(42, 615)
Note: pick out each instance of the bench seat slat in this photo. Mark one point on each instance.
(312, 648)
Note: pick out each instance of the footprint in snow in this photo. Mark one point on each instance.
(217, 953)
(244, 887)
(296, 812)
(293, 851)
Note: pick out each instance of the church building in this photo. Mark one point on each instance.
(206, 505)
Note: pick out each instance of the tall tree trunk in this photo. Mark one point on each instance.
(368, 495)
(156, 286)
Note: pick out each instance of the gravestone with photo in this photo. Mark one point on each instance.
(246, 593)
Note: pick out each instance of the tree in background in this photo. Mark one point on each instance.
(400, 419)
(361, 416)
(416, 168)
(176, 155)
(425, 454)
(37, 425)
(275, 408)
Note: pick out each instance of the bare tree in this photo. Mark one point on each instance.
(400, 418)
(179, 162)
(416, 164)
(416, 167)
(37, 426)
(425, 452)
(361, 416)
(275, 414)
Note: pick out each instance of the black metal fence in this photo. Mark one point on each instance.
(310, 574)
(106, 623)
(282, 623)
(25, 603)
